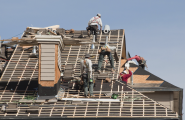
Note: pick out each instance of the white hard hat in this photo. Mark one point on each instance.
(99, 14)
(124, 72)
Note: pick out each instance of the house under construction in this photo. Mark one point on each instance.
(40, 79)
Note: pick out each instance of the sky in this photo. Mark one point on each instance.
(154, 29)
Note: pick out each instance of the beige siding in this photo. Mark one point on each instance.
(48, 78)
(48, 62)
(47, 58)
(164, 98)
(47, 74)
(46, 54)
(47, 46)
(47, 70)
(48, 50)
(47, 66)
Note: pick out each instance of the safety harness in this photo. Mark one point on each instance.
(95, 20)
(86, 64)
(89, 80)
(143, 60)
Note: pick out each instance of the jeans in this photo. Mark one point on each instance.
(93, 28)
(87, 84)
(101, 57)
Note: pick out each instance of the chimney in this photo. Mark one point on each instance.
(50, 47)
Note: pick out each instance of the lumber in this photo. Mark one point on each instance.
(17, 39)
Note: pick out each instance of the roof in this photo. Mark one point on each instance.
(19, 82)
(151, 82)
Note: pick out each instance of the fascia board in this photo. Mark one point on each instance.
(49, 38)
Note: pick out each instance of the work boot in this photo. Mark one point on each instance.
(85, 96)
(92, 96)
(99, 71)
(88, 33)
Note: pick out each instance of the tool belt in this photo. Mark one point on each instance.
(142, 62)
(103, 48)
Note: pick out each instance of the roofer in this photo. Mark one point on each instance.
(106, 50)
(141, 61)
(127, 64)
(86, 71)
(93, 25)
(124, 76)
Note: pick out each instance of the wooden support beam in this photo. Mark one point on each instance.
(101, 89)
(154, 108)
(166, 111)
(111, 86)
(12, 74)
(109, 108)
(123, 46)
(74, 111)
(24, 39)
(86, 108)
(21, 76)
(57, 71)
(63, 109)
(143, 107)
(132, 103)
(39, 60)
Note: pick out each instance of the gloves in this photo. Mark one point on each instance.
(91, 80)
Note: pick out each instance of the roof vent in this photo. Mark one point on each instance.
(33, 54)
(106, 29)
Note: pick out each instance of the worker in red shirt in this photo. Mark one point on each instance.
(124, 76)
(141, 61)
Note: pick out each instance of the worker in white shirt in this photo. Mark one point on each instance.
(86, 71)
(93, 25)
(127, 64)
(106, 50)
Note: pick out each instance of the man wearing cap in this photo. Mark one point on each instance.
(93, 25)
(105, 51)
(124, 76)
(86, 71)
(127, 64)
